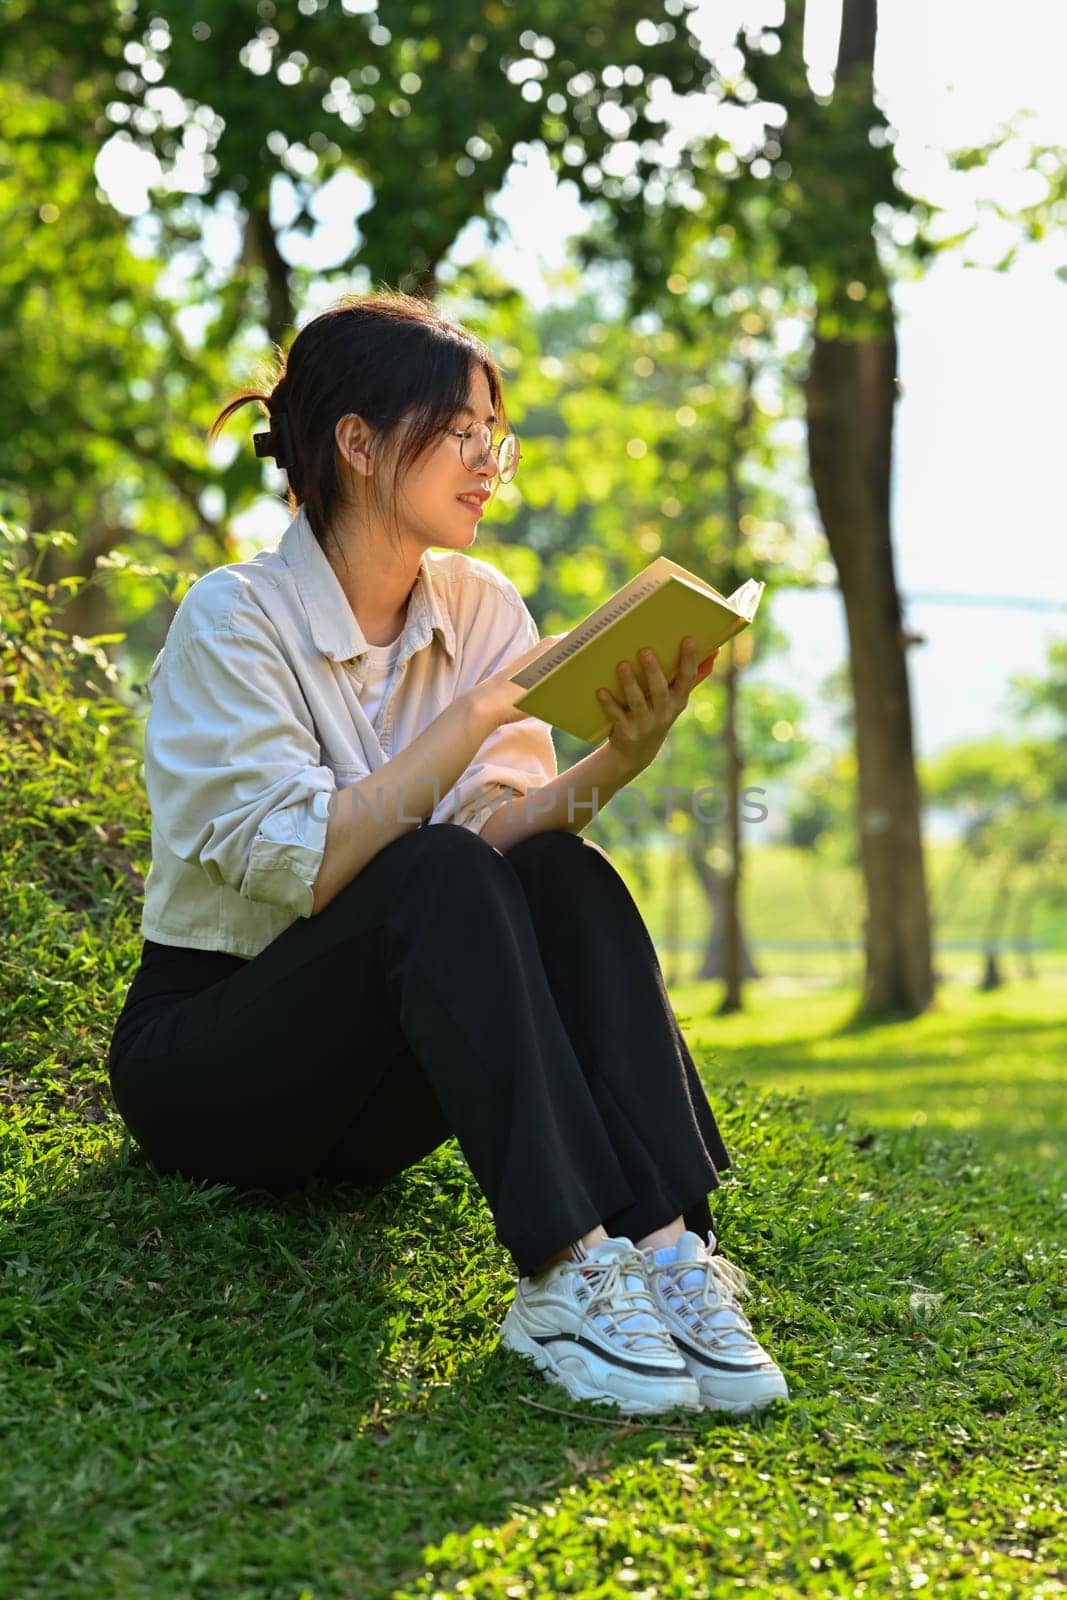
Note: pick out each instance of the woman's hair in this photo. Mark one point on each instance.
(380, 356)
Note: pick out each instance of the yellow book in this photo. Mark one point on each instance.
(655, 610)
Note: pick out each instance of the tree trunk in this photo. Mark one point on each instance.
(851, 393)
(713, 964)
(850, 396)
(998, 916)
(732, 953)
(87, 611)
(1024, 949)
(262, 240)
(730, 883)
(991, 975)
(672, 890)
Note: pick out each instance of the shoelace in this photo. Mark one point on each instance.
(710, 1300)
(613, 1298)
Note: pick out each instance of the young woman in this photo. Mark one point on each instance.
(371, 921)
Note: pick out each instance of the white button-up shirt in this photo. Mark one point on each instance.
(255, 720)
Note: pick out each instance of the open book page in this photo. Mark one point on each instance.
(658, 608)
(745, 599)
(663, 568)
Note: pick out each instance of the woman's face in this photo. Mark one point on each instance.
(431, 508)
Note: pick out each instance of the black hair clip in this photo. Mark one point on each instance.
(277, 443)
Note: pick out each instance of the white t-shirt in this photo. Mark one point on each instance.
(381, 661)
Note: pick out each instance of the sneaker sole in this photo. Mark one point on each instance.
(740, 1407)
(764, 1384)
(632, 1394)
(740, 1403)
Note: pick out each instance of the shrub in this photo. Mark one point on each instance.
(74, 840)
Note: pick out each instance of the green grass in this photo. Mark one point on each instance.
(987, 1064)
(219, 1395)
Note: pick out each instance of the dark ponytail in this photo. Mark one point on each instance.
(379, 356)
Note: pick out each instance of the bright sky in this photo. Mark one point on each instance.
(978, 489)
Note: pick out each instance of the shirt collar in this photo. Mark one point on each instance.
(334, 629)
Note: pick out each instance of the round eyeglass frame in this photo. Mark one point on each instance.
(464, 437)
(504, 473)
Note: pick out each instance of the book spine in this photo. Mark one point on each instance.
(581, 636)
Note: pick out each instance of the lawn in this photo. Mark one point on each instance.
(987, 1064)
(211, 1395)
(802, 912)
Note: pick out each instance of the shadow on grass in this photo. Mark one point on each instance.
(998, 1080)
(1003, 1037)
(208, 1392)
(861, 1024)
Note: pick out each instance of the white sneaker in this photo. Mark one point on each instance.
(697, 1297)
(591, 1325)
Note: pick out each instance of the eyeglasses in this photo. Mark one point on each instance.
(476, 445)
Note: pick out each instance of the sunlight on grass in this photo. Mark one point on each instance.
(984, 1064)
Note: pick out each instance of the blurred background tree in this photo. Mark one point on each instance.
(1011, 798)
(96, 421)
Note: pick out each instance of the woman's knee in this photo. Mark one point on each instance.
(438, 841)
(555, 848)
(390, 880)
(449, 841)
(441, 852)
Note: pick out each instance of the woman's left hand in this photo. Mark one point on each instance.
(639, 727)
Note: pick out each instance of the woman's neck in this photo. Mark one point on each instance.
(377, 579)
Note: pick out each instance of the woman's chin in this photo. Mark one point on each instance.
(453, 541)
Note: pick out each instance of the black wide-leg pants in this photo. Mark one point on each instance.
(513, 1000)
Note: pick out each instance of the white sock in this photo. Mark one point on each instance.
(723, 1316)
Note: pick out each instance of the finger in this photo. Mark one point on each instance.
(705, 668)
(611, 707)
(635, 695)
(685, 676)
(658, 686)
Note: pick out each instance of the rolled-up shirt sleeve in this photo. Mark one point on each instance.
(233, 768)
(517, 756)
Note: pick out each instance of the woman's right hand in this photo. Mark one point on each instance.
(492, 701)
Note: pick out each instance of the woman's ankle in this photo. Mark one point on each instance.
(560, 1255)
(662, 1238)
(595, 1236)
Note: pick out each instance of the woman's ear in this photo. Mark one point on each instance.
(354, 438)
